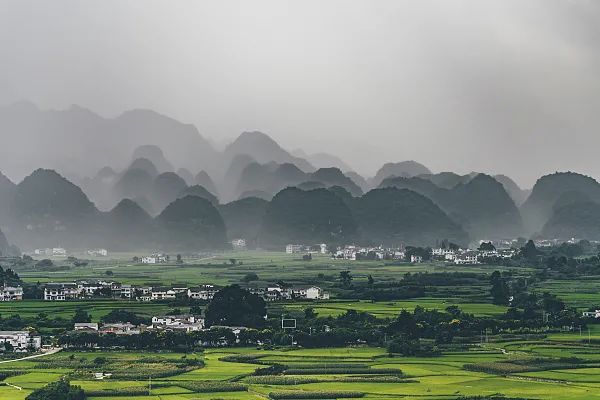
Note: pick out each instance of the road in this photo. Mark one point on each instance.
(51, 351)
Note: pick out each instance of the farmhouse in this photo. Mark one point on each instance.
(156, 258)
(294, 248)
(205, 292)
(11, 293)
(86, 326)
(61, 291)
(21, 340)
(186, 322)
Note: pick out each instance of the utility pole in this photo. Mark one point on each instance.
(150, 385)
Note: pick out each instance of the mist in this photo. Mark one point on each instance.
(506, 87)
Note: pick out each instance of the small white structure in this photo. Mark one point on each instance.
(416, 259)
(11, 293)
(157, 258)
(163, 294)
(204, 292)
(186, 322)
(294, 248)
(323, 248)
(59, 251)
(97, 253)
(591, 314)
(316, 293)
(238, 244)
(467, 257)
(86, 326)
(21, 340)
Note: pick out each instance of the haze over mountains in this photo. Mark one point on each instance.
(143, 180)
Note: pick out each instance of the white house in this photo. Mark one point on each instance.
(316, 293)
(162, 294)
(21, 340)
(416, 259)
(204, 292)
(59, 251)
(294, 248)
(86, 326)
(238, 244)
(11, 293)
(61, 291)
(468, 257)
(186, 322)
(157, 258)
(97, 253)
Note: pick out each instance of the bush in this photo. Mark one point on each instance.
(343, 371)
(314, 395)
(57, 390)
(212, 387)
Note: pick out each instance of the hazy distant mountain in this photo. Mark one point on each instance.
(166, 188)
(516, 193)
(263, 149)
(322, 160)
(128, 227)
(243, 218)
(405, 169)
(47, 208)
(392, 216)
(186, 175)
(199, 191)
(537, 209)
(309, 217)
(334, 177)
(134, 184)
(270, 177)
(416, 184)
(190, 224)
(230, 181)
(580, 219)
(100, 188)
(204, 180)
(359, 180)
(154, 154)
(145, 165)
(78, 141)
(311, 185)
(447, 180)
(7, 193)
(256, 193)
(483, 207)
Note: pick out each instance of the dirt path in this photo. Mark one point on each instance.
(51, 351)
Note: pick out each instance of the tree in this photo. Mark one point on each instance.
(109, 272)
(307, 257)
(60, 390)
(250, 276)
(118, 315)
(234, 306)
(309, 313)
(370, 280)
(179, 260)
(232, 261)
(487, 246)
(81, 316)
(345, 279)
(499, 290)
(529, 251)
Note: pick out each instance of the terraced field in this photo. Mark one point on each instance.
(526, 369)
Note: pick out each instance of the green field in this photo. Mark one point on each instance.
(434, 378)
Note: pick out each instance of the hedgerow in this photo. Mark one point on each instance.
(321, 394)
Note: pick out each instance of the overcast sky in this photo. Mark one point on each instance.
(496, 86)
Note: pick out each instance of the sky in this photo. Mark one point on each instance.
(497, 86)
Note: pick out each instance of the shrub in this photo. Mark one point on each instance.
(315, 395)
(212, 387)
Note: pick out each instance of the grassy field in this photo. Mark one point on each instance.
(434, 378)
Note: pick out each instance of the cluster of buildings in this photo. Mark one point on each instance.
(361, 253)
(61, 291)
(11, 293)
(183, 323)
(468, 256)
(20, 341)
(55, 252)
(301, 248)
(156, 258)
(276, 292)
(238, 244)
